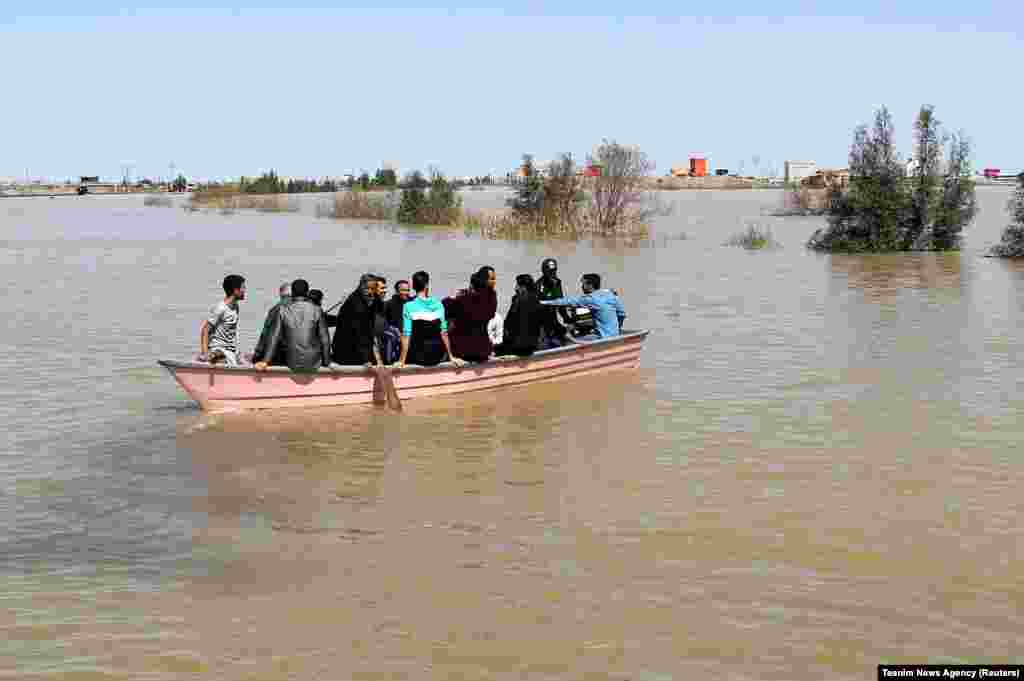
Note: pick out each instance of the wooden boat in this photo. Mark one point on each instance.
(219, 388)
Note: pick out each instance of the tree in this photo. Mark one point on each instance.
(443, 204)
(925, 177)
(883, 210)
(868, 215)
(528, 201)
(618, 200)
(1012, 243)
(413, 198)
(957, 203)
(563, 194)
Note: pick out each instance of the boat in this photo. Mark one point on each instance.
(219, 388)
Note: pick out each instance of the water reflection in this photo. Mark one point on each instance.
(882, 278)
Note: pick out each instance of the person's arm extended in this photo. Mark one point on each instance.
(568, 301)
(448, 348)
(204, 339)
(273, 340)
(568, 316)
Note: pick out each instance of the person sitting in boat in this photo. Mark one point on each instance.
(474, 308)
(391, 339)
(424, 328)
(283, 296)
(380, 322)
(353, 337)
(300, 330)
(604, 305)
(218, 336)
(549, 287)
(522, 323)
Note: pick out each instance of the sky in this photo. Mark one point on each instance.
(326, 90)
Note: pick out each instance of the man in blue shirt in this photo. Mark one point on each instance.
(605, 307)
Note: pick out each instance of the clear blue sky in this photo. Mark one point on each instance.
(321, 90)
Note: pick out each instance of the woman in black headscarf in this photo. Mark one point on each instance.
(353, 339)
(522, 323)
(473, 309)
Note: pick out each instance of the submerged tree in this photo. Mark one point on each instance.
(924, 177)
(438, 205)
(883, 210)
(957, 204)
(1012, 243)
(528, 201)
(563, 192)
(413, 197)
(618, 200)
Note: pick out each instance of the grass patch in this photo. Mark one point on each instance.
(358, 205)
(228, 202)
(753, 238)
(509, 226)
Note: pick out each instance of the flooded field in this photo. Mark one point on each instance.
(816, 469)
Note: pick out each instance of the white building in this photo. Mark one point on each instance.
(798, 170)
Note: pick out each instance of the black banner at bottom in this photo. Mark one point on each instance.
(943, 672)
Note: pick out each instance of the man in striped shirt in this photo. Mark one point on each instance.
(218, 337)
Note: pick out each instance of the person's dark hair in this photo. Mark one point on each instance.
(300, 288)
(381, 279)
(232, 283)
(398, 284)
(316, 296)
(479, 278)
(420, 281)
(593, 279)
(526, 281)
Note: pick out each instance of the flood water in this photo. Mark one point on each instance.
(817, 468)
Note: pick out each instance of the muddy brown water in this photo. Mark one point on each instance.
(816, 469)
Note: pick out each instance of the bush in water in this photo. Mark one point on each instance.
(1012, 244)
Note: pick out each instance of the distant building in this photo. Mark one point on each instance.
(698, 165)
(798, 170)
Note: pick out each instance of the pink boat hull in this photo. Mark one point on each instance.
(219, 388)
